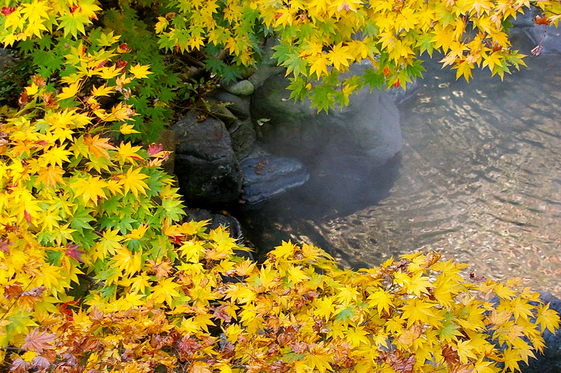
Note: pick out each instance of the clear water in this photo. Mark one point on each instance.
(479, 180)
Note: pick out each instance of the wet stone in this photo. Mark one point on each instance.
(266, 176)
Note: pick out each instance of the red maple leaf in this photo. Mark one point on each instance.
(73, 252)
(8, 10)
(541, 20)
(154, 149)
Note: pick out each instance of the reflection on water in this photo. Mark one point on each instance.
(480, 180)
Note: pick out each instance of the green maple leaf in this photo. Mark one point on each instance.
(345, 314)
(73, 23)
(323, 97)
(81, 220)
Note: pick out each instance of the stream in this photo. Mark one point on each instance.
(478, 179)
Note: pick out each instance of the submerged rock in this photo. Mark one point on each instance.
(265, 176)
(205, 164)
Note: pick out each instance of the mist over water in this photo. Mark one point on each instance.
(478, 179)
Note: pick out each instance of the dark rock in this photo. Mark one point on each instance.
(221, 112)
(236, 104)
(4, 57)
(265, 176)
(206, 166)
(550, 361)
(369, 127)
(243, 138)
(168, 141)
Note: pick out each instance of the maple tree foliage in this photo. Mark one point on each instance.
(99, 273)
(317, 39)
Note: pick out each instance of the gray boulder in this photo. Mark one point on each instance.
(241, 88)
(368, 128)
(266, 176)
(205, 164)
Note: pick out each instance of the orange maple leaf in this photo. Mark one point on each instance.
(98, 146)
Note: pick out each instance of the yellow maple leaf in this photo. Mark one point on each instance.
(245, 268)
(357, 335)
(465, 351)
(126, 261)
(56, 155)
(35, 11)
(102, 90)
(165, 291)
(240, 293)
(319, 66)
(137, 233)
(324, 307)
(547, 318)
(90, 188)
(140, 282)
(284, 250)
(296, 275)
(32, 89)
(200, 367)
(128, 153)
(69, 91)
(319, 359)
(108, 72)
(340, 57)
(118, 113)
(133, 181)
(127, 129)
(419, 284)
(380, 299)
(191, 251)
(140, 71)
(347, 295)
(417, 310)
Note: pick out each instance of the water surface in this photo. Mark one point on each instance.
(479, 180)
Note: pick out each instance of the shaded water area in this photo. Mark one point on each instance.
(478, 179)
